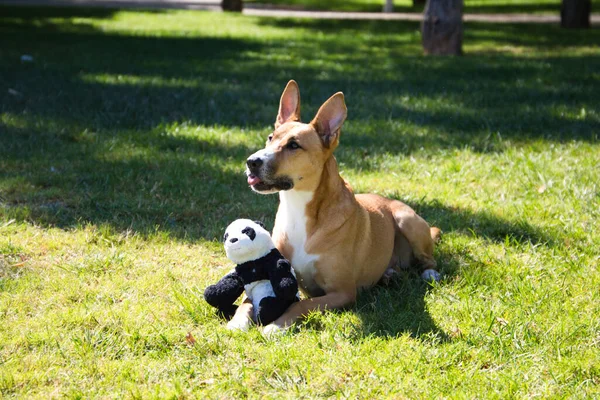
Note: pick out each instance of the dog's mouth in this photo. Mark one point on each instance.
(253, 180)
(263, 185)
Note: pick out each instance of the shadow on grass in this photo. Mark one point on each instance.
(389, 311)
(159, 184)
(400, 308)
(482, 224)
(141, 81)
(87, 125)
(541, 36)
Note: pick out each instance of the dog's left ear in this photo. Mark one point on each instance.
(289, 105)
(329, 119)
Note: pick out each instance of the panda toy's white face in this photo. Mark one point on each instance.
(245, 240)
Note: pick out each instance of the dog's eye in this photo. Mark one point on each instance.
(225, 237)
(293, 145)
(270, 138)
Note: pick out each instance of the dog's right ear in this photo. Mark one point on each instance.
(289, 105)
(329, 120)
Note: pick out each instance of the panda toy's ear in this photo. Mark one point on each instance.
(259, 223)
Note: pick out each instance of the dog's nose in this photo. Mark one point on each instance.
(254, 162)
(233, 240)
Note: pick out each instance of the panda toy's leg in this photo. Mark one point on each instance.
(271, 308)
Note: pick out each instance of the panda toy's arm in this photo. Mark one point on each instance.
(283, 281)
(225, 292)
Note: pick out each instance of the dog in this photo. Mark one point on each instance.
(337, 242)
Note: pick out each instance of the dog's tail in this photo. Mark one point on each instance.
(436, 234)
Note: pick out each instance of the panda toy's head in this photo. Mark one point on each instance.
(246, 240)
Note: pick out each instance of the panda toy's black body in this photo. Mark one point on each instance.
(261, 271)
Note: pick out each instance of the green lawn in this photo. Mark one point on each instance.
(470, 6)
(121, 162)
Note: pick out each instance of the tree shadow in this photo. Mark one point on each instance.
(97, 106)
(473, 95)
(139, 81)
(163, 185)
(482, 224)
(81, 150)
(538, 35)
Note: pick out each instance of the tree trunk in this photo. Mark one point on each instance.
(575, 13)
(442, 27)
(388, 6)
(232, 5)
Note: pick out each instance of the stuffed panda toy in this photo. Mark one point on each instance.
(261, 271)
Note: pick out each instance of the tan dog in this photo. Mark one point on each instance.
(337, 242)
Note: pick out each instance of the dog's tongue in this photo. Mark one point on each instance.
(253, 180)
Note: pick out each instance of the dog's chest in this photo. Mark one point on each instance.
(291, 221)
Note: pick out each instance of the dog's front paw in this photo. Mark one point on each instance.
(239, 324)
(431, 275)
(273, 330)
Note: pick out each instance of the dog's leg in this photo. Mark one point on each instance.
(243, 316)
(419, 236)
(303, 307)
(403, 251)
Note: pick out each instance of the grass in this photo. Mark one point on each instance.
(121, 153)
(470, 6)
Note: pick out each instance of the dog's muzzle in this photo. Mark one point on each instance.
(254, 165)
(259, 170)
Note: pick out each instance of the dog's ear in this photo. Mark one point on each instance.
(329, 119)
(289, 105)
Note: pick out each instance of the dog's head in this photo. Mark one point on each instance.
(295, 152)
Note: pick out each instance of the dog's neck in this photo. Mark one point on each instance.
(329, 189)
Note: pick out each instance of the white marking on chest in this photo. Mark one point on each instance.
(291, 219)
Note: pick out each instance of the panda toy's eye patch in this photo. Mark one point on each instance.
(250, 232)
(225, 237)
